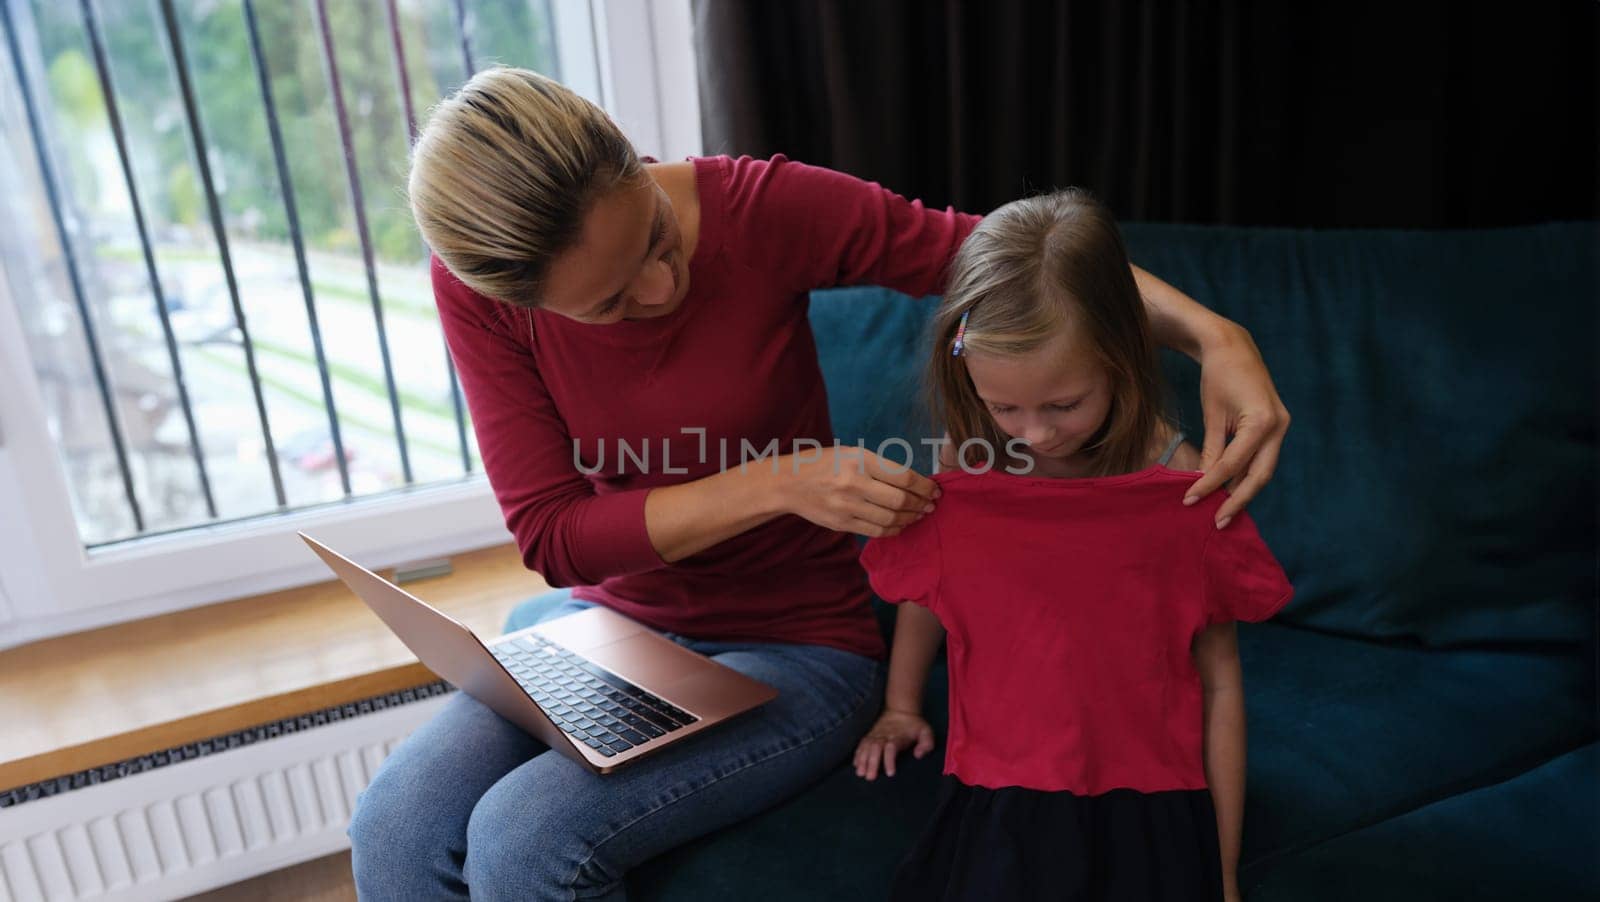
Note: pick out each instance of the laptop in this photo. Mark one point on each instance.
(596, 686)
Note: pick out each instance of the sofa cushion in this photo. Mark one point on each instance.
(1346, 733)
(872, 344)
(1439, 477)
(1533, 836)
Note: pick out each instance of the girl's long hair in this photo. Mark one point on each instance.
(1030, 269)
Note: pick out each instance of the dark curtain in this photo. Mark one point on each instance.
(1357, 113)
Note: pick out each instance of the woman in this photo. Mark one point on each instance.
(596, 304)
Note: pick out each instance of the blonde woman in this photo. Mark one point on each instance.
(626, 333)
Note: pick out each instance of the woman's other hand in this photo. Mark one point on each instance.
(1237, 398)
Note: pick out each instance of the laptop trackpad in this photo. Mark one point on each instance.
(650, 661)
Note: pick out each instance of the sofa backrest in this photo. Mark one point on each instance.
(1438, 482)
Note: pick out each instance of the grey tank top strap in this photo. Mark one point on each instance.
(1172, 449)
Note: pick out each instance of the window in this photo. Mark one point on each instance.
(216, 323)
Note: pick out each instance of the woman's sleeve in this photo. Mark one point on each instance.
(818, 228)
(1242, 580)
(905, 567)
(567, 533)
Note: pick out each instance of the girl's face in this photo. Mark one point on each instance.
(628, 263)
(1054, 398)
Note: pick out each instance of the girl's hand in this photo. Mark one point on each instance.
(894, 732)
(1230, 891)
(1238, 399)
(851, 489)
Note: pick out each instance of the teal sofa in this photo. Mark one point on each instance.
(1422, 717)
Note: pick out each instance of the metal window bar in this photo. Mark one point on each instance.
(411, 139)
(292, 211)
(550, 43)
(114, 115)
(466, 37)
(353, 179)
(180, 64)
(69, 255)
(594, 59)
(197, 135)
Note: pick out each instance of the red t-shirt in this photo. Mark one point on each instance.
(736, 359)
(1070, 606)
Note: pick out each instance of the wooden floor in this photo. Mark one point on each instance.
(75, 702)
(322, 880)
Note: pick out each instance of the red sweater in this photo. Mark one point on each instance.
(1070, 606)
(737, 359)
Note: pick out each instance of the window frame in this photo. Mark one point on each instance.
(50, 584)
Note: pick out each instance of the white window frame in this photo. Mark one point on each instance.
(51, 585)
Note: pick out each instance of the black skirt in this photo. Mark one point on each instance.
(1015, 843)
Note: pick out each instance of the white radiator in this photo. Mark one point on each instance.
(201, 823)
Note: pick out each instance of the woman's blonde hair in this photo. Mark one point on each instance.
(504, 173)
(1030, 269)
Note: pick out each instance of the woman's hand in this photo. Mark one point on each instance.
(851, 489)
(1230, 891)
(1237, 398)
(893, 733)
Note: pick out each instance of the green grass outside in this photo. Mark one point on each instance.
(319, 290)
(315, 400)
(374, 385)
(398, 305)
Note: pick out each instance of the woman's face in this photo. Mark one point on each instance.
(628, 262)
(1055, 398)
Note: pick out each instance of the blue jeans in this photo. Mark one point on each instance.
(470, 801)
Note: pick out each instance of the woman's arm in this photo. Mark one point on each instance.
(1216, 656)
(844, 488)
(692, 516)
(809, 227)
(1178, 321)
(1237, 396)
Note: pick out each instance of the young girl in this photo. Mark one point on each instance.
(1097, 732)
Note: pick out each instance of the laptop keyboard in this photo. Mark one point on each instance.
(591, 704)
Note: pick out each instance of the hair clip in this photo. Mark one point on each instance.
(961, 334)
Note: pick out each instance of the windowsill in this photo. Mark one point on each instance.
(92, 698)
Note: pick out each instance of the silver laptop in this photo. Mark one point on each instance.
(596, 686)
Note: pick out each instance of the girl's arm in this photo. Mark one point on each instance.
(1216, 657)
(917, 634)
